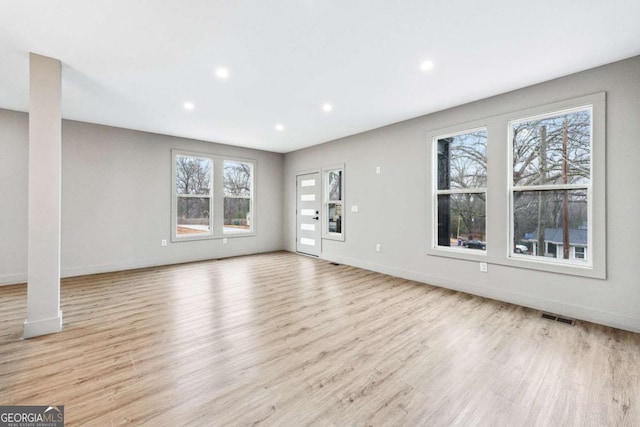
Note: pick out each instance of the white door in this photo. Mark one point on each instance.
(308, 237)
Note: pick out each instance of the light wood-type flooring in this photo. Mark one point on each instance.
(286, 340)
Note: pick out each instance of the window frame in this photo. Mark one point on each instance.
(550, 187)
(432, 185)
(252, 185)
(177, 196)
(216, 197)
(326, 234)
(498, 198)
(437, 192)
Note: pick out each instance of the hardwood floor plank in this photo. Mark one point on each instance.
(282, 339)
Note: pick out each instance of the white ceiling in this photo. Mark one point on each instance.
(133, 63)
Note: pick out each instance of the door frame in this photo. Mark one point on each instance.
(321, 216)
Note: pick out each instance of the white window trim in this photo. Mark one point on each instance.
(499, 223)
(174, 198)
(432, 239)
(252, 201)
(551, 187)
(437, 192)
(325, 203)
(216, 197)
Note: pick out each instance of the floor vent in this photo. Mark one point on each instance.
(557, 318)
(565, 320)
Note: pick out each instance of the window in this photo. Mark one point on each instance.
(193, 187)
(212, 196)
(551, 184)
(460, 196)
(523, 189)
(238, 184)
(580, 252)
(334, 203)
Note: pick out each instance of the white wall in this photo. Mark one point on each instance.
(392, 206)
(116, 200)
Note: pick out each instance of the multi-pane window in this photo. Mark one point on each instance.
(461, 178)
(551, 184)
(238, 185)
(542, 171)
(193, 188)
(333, 213)
(334, 188)
(212, 196)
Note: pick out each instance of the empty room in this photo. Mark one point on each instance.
(312, 212)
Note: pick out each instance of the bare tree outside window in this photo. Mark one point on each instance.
(193, 192)
(334, 208)
(461, 189)
(551, 178)
(335, 185)
(238, 183)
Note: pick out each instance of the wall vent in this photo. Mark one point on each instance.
(557, 318)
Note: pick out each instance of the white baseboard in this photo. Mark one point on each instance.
(20, 278)
(35, 328)
(146, 263)
(120, 266)
(13, 279)
(588, 314)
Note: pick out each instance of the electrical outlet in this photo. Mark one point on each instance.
(354, 208)
(378, 247)
(224, 241)
(483, 267)
(163, 242)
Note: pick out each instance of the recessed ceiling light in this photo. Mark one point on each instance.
(326, 107)
(279, 127)
(426, 65)
(188, 106)
(222, 72)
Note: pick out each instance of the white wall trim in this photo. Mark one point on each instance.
(588, 314)
(13, 279)
(147, 263)
(16, 279)
(43, 326)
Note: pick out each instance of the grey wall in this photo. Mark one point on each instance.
(117, 195)
(400, 192)
(14, 175)
(116, 200)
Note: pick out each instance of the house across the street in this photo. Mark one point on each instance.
(554, 244)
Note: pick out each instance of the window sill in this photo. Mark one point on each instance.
(571, 268)
(176, 239)
(334, 236)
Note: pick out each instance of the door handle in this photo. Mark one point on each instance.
(316, 218)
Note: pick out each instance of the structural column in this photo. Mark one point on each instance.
(45, 160)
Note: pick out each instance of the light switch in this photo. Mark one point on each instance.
(354, 208)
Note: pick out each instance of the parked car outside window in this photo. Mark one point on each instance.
(521, 249)
(475, 244)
